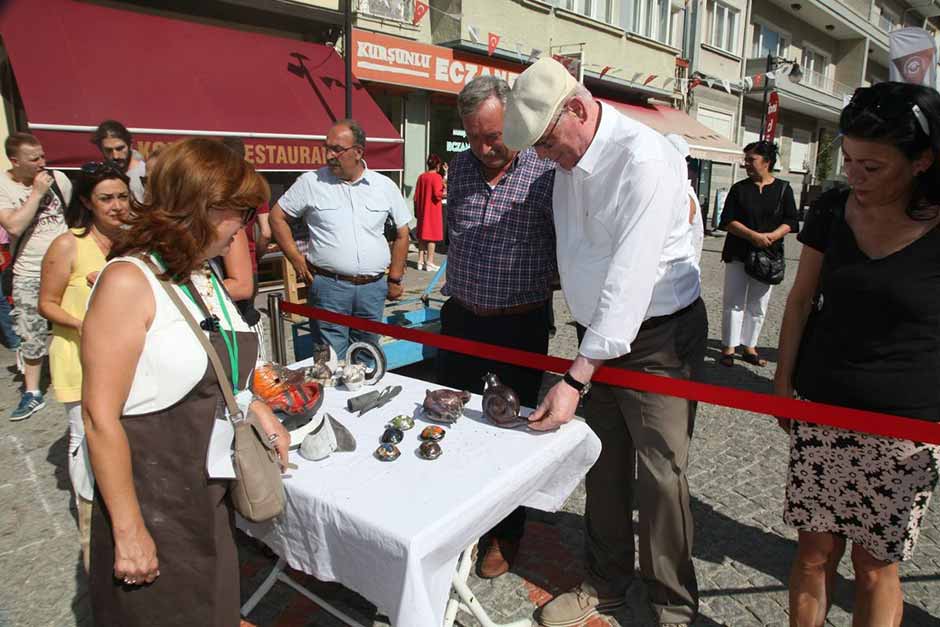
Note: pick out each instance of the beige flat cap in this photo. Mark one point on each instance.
(534, 101)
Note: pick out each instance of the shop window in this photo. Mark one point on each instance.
(723, 26)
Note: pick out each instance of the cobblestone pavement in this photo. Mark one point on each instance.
(742, 548)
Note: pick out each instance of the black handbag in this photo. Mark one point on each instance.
(764, 264)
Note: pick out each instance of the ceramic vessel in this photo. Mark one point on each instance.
(402, 422)
(387, 452)
(433, 433)
(430, 450)
(501, 403)
(392, 436)
(445, 405)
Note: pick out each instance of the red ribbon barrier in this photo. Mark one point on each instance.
(832, 415)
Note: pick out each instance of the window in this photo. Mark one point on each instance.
(887, 18)
(723, 26)
(769, 40)
(816, 69)
(718, 121)
(799, 150)
(394, 9)
(597, 9)
(651, 19)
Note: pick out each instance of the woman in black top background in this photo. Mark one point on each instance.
(759, 211)
(864, 318)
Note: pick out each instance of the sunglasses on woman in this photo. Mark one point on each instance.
(97, 168)
(867, 101)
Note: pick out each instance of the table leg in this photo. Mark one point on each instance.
(277, 574)
(467, 601)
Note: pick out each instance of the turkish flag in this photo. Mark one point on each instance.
(491, 42)
(606, 69)
(420, 10)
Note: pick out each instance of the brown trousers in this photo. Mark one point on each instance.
(645, 453)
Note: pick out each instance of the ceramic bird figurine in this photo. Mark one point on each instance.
(501, 403)
(445, 405)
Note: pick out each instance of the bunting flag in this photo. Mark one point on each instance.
(606, 69)
(649, 79)
(770, 76)
(636, 77)
(421, 9)
(669, 81)
(726, 85)
(491, 42)
(535, 54)
(695, 83)
(474, 33)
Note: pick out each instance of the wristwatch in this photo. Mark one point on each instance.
(395, 281)
(582, 388)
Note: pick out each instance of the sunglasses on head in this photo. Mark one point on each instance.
(97, 168)
(248, 213)
(867, 101)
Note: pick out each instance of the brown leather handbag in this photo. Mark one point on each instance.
(258, 491)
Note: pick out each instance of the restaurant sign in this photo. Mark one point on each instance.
(397, 61)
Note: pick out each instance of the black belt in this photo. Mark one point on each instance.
(655, 321)
(358, 279)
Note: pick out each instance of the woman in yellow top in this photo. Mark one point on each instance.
(99, 206)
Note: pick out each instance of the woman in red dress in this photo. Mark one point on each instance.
(429, 192)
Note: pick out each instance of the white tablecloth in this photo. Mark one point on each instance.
(392, 531)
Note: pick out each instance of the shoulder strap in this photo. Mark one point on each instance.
(28, 231)
(235, 414)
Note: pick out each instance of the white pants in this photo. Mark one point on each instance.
(83, 482)
(744, 307)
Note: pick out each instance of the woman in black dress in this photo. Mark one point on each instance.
(864, 319)
(759, 211)
(162, 533)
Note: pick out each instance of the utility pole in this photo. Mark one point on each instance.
(347, 55)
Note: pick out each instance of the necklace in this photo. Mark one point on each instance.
(104, 246)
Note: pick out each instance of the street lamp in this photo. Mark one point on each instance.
(795, 76)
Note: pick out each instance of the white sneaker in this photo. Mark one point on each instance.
(431, 267)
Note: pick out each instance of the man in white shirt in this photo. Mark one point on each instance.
(345, 206)
(32, 210)
(695, 208)
(629, 273)
(114, 141)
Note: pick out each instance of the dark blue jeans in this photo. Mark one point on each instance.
(363, 301)
(7, 334)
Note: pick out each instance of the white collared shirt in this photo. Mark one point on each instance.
(346, 220)
(625, 250)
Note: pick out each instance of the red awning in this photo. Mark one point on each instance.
(77, 64)
(704, 143)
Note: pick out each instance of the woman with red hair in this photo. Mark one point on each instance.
(430, 190)
(162, 533)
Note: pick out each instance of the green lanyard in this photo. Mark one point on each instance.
(231, 344)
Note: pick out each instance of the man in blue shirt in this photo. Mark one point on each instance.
(345, 206)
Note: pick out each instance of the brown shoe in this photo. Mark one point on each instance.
(498, 558)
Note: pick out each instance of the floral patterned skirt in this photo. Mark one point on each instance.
(872, 490)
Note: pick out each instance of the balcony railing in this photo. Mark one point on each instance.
(825, 84)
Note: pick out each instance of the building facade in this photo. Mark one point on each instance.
(839, 45)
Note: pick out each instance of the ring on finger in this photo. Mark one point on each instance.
(272, 438)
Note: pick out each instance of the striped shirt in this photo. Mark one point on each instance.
(501, 249)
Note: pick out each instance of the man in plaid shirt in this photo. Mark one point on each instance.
(500, 267)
